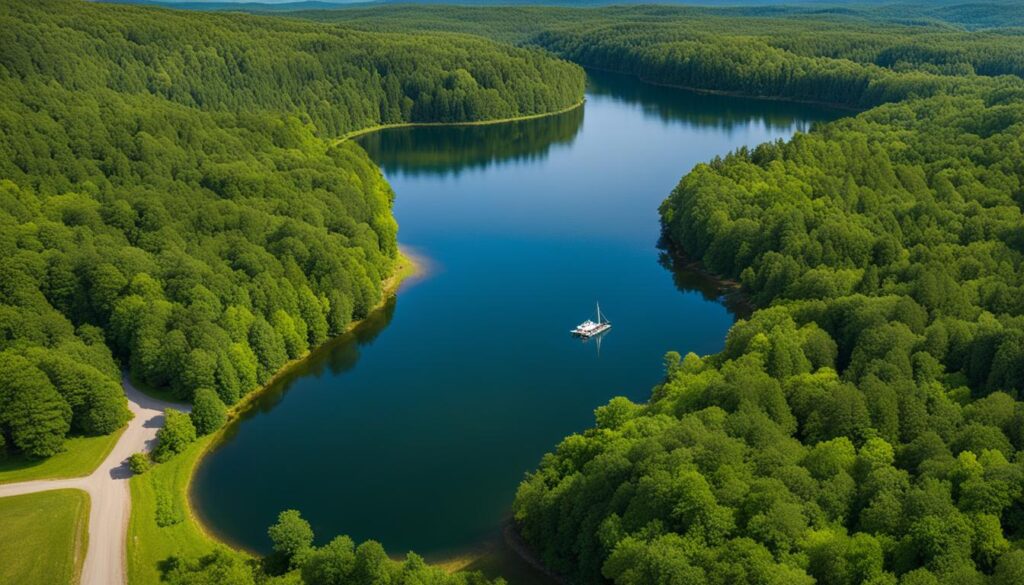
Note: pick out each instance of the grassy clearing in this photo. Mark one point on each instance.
(160, 496)
(52, 536)
(82, 455)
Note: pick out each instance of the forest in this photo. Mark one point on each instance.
(175, 205)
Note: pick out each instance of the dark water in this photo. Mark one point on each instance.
(416, 429)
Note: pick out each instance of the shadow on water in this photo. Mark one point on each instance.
(689, 276)
(492, 556)
(671, 104)
(452, 150)
(337, 356)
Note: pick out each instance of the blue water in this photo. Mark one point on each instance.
(416, 429)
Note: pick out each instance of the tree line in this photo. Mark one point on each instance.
(295, 560)
(858, 57)
(173, 204)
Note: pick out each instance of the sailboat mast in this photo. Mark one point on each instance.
(598, 312)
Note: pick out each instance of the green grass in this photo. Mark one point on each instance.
(81, 456)
(43, 537)
(150, 544)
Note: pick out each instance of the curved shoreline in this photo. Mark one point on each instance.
(515, 541)
(379, 127)
(411, 267)
(143, 546)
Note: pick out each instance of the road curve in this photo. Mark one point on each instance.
(107, 486)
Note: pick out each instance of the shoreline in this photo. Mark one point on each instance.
(515, 542)
(730, 291)
(502, 553)
(371, 129)
(410, 267)
(180, 472)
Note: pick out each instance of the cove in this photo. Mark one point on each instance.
(416, 428)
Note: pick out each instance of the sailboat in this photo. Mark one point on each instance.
(590, 328)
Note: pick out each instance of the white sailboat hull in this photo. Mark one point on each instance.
(592, 332)
(590, 328)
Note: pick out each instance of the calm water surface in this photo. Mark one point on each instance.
(416, 429)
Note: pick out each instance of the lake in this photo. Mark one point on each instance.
(416, 429)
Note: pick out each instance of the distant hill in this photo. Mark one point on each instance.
(292, 5)
(971, 15)
(225, 5)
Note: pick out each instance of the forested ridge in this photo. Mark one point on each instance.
(788, 53)
(173, 204)
(244, 64)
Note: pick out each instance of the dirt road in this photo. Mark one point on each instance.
(108, 489)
